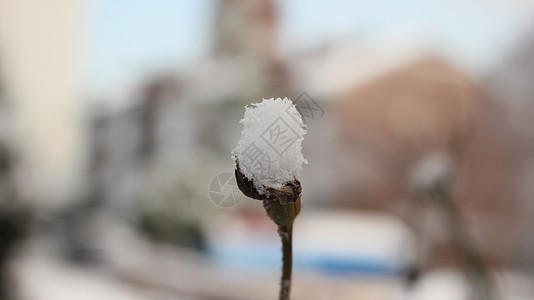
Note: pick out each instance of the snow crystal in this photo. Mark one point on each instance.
(270, 149)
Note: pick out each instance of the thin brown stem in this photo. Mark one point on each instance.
(282, 206)
(286, 235)
(476, 270)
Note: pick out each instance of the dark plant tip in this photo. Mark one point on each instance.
(282, 204)
(286, 194)
(289, 193)
(246, 185)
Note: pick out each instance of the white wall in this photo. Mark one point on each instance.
(39, 55)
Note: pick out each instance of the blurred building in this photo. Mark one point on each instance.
(510, 85)
(40, 67)
(246, 28)
(390, 122)
(425, 106)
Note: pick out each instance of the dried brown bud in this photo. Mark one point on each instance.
(282, 204)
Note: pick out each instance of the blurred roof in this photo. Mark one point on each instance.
(343, 66)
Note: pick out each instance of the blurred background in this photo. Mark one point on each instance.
(117, 119)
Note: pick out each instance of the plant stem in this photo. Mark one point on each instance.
(476, 270)
(282, 206)
(286, 235)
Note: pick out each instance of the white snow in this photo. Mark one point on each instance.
(270, 149)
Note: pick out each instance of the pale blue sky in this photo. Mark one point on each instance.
(127, 38)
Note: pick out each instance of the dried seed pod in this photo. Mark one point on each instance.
(282, 205)
(247, 186)
(271, 152)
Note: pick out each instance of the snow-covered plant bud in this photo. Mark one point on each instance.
(269, 155)
(268, 160)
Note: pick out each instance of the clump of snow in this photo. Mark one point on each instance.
(270, 150)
